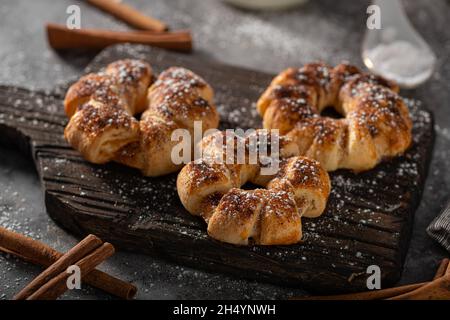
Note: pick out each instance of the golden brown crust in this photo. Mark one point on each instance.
(376, 121)
(129, 72)
(156, 145)
(273, 216)
(133, 78)
(280, 219)
(99, 131)
(285, 113)
(103, 87)
(238, 212)
(308, 182)
(183, 97)
(110, 99)
(201, 183)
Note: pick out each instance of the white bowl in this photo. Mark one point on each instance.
(265, 4)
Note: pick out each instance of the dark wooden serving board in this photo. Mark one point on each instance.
(367, 221)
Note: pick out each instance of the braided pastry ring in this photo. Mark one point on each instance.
(102, 106)
(376, 123)
(269, 216)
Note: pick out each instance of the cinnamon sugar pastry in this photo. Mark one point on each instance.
(102, 106)
(376, 123)
(270, 216)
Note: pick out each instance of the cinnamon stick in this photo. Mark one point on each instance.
(61, 37)
(441, 269)
(394, 293)
(84, 247)
(41, 254)
(438, 289)
(368, 295)
(129, 15)
(57, 285)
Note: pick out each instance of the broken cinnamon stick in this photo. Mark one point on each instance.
(61, 37)
(41, 254)
(58, 285)
(129, 15)
(84, 247)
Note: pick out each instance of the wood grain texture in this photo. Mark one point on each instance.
(368, 218)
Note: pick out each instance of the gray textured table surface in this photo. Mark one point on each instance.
(327, 30)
